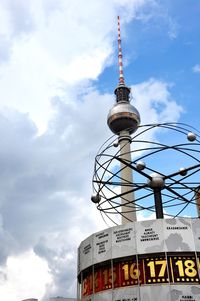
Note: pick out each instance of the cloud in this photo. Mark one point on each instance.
(14, 286)
(61, 263)
(153, 99)
(45, 182)
(52, 122)
(173, 29)
(46, 45)
(16, 21)
(156, 18)
(196, 68)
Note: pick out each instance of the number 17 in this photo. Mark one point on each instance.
(152, 265)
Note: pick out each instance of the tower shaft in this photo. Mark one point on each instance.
(127, 200)
(123, 120)
(197, 199)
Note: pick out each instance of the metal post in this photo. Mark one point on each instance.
(158, 203)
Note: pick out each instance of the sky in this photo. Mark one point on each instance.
(58, 71)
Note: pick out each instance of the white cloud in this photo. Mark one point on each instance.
(152, 98)
(46, 44)
(173, 29)
(61, 47)
(196, 68)
(16, 286)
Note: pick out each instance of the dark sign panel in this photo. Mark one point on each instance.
(87, 283)
(126, 272)
(179, 268)
(102, 277)
(154, 270)
(183, 269)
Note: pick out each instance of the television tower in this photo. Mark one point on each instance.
(123, 120)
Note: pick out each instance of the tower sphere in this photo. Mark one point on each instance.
(123, 116)
(140, 165)
(95, 198)
(183, 171)
(191, 136)
(157, 181)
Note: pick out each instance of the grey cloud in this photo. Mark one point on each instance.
(62, 266)
(45, 183)
(20, 15)
(5, 48)
(50, 6)
(3, 277)
(8, 244)
(20, 23)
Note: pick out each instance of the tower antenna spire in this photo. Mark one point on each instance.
(120, 62)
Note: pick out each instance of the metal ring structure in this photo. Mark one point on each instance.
(171, 150)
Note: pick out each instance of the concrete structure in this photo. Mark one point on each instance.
(142, 261)
(30, 299)
(197, 199)
(53, 299)
(62, 299)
